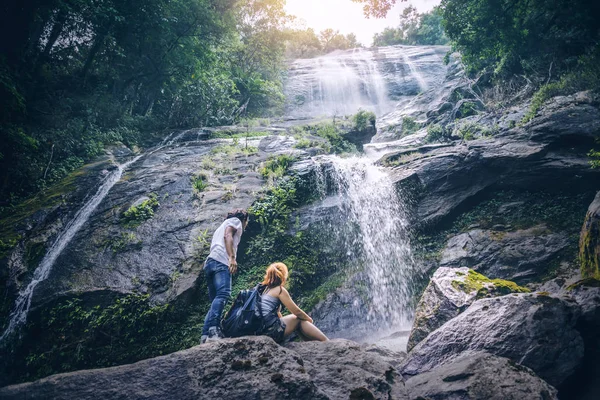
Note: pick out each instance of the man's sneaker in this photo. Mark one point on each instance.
(214, 334)
(203, 339)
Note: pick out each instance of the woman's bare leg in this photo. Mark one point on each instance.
(306, 330)
(291, 324)
(311, 332)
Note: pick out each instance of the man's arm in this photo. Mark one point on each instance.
(229, 232)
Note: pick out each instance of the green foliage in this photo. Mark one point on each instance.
(299, 251)
(333, 134)
(414, 29)
(144, 66)
(136, 215)
(277, 167)
(586, 76)
(409, 126)
(595, 158)
(124, 241)
(202, 245)
(304, 143)
(199, 182)
(472, 130)
(363, 120)
(436, 133)
(521, 35)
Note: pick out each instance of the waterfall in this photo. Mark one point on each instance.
(19, 314)
(376, 230)
(337, 84)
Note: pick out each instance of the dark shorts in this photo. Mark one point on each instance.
(275, 331)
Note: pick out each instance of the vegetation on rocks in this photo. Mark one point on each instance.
(137, 214)
(476, 282)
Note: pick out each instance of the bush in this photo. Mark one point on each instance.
(335, 138)
(436, 133)
(199, 183)
(135, 215)
(363, 120)
(276, 167)
(409, 126)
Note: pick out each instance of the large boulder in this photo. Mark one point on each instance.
(450, 292)
(342, 368)
(589, 242)
(518, 255)
(244, 368)
(537, 331)
(480, 375)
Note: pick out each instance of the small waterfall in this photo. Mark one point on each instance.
(371, 203)
(23, 302)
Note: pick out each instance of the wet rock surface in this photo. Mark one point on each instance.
(480, 375)
(544, 154)
(519, 255)
(449, 293)
(250, 367)
(537, 331)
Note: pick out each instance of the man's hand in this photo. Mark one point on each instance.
(232, 265)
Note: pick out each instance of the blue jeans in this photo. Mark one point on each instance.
(218, 279)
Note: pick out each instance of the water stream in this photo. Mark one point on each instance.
(23, 302)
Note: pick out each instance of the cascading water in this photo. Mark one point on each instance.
(23, 302)
(377, 231)
(375, 79)
(337, 84)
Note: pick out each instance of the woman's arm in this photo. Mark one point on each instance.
(287, 301)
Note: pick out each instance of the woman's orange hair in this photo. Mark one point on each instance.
(277, 274)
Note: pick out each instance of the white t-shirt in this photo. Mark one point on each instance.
(218, 252)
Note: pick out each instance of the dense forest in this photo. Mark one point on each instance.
(76, 75)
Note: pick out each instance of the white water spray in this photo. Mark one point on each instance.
(370, 200)
(23, 302)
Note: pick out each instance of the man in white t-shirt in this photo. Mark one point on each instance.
(219, 267)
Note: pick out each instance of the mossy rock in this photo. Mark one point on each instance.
(486, 287)
(589, 242)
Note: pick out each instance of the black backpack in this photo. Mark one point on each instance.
(245, 315)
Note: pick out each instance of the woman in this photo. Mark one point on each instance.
(274, 295)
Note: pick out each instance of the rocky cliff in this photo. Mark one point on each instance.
(493, 210)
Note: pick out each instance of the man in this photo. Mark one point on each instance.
(219, 267)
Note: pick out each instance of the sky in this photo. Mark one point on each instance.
(348, 17)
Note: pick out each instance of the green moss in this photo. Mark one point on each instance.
(484, 286)
(126, 240)
(34, 252)
(591, 282)
(309, 301)
(11, 217)
(73, 334)
(589, 252)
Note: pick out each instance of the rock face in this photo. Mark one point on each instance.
(533, 330)
(589, 242)
(245, 368)
(449, 293)
(257, 368)
(480, 375)
(542, 154)
(518, 255)
(342, 367)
